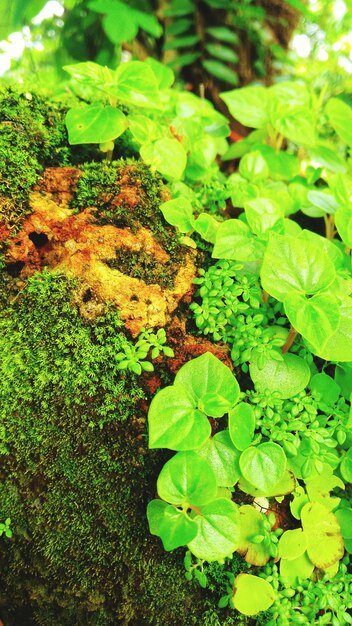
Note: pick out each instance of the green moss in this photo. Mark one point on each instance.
(140, 194)
(144, 266)
(77, 476)
(32, 136)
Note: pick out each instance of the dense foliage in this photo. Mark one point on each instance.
(252, 454)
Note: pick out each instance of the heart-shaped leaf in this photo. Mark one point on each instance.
(187, 479)
(287, 377)
(252, 594)
(241, 425)
(94, 123)
(322, 529)
(223, 457)
(264, 465)
(218, 531)
(292, 544)
(291, 570)
(174, 527)
(210, 383)
(175, 422)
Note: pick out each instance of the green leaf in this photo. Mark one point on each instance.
(94, 123)
(91, 73)
(207, 226)
(223, 457)
(187, 480)
(298, 126)
(263, 215)
(241, 425)
(324, 541)
(324, 201)
(346, 466)
(167, 156)
(175, 422)
(136, 84)
(248, 105)
(339, 345)
(291, 570)
(289, 265)
(328, 158)
(316, 318)
(292, 544)
(324, 388)
(163, 74)
(263, 465)
(286, 377)
(143, 128)
(210, 383)
(284, 486)
(234, 240)
(343, 221)
(223, 34)
(340, 117)
(182, 60)
(221, 71)
(282, 165)
(252, 526)
(174, 527)
(178, 212)
(218, 531)
(343, 377)
(124, 16)
(252, 594)
(318, 488)
(222, 52)
(344, 517)
(254, 167)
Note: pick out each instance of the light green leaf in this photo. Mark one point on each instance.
(328, 158)
(223, 34)
(324, 201)
(339, 345)
(234, 240)
(263, 215)
(241, 425)
(248, 105)
(221, 71)
(324, 541)
(163, 74)
(175, 422)
(207, 226)
(291, 570)
(316, 318)
(188, 480)
(340, 117)
(286, 377)
(292, 544)
(346, 466)
(284, 486)
(282, 165)
(167, 156)
(252, 525)
(94, 123)
(143, 128)
(223, 457)
(136, 84)
(343, 221)
(344, 517)
(298, 126)
(207, 379)
(254, 167)
(224, 53)
(174, 527)
(252, 594)
(264, 465)
(178, 212)
(218, 531)
(289, 265)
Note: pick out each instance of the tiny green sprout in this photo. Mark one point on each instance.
(5, 528)
(133, 357)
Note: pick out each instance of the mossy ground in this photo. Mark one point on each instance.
(76, 476)
(76, 473)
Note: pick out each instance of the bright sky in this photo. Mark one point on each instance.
(16, 42)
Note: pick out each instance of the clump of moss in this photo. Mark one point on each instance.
(76, 476)
(127, 194)
(32, 136)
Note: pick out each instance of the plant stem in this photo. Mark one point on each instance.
(329, 226)
(289, 341)
(265, 296)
